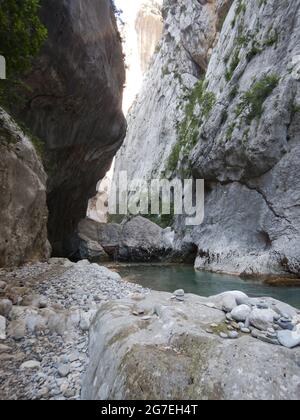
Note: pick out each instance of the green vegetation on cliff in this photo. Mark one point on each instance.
(198, 107)
(21, 34)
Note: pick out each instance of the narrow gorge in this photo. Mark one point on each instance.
(112, 295)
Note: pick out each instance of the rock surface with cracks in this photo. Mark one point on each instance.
(73, 103)
(23, 209)
(230, 116)
(165, 347)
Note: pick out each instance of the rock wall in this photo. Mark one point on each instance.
(74, 104)
(224, 106)
(141, 34)
(23, 210)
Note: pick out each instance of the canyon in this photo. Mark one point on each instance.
(225, 107)
(212, 92)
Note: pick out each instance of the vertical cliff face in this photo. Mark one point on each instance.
(141, 33)
(74, 105)
(148, 27)
(190, 31)
(221, 102)
(23, 210)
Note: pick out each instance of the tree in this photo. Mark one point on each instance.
(21, 34)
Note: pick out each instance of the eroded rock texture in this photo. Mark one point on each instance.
(74, 106)
(137, 240)
(168, 352)
(23, 210)
(224, 106)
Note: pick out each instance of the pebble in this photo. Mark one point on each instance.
(30, 365)
(2, 285)
(223, 335)
(2, 328)
(235, 325)
(233, 335)
(209, 331)
(179, 293)
(5, 307)
(285, 324)
(63, 370)
(229, 317)
(4, 349)
(246, 330)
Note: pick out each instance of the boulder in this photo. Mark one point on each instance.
(142, 240)
(262, 319)
(23, 209)
(73, 103)
(137, 239)
(289, 339)
(30, 365)
(241, 313)
(91, 250)
(166, 354)
(229, 300)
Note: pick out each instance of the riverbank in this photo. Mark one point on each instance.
(47, 308)
(168, 277)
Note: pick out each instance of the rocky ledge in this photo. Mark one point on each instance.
(45, 315)
(165, 347)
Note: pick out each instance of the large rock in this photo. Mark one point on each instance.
(166, 354)
(74, 104)
(23, 210)
(137, 239)
(249, 160)
(262, 319)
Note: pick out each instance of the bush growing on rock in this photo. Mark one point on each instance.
(21, 36)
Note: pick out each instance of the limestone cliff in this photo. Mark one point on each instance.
(221, 101)
(74, 104)
(141, 34)
(23, 210)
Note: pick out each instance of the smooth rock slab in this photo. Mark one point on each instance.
(173, 357)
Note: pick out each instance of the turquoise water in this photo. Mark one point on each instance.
(170, 278)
